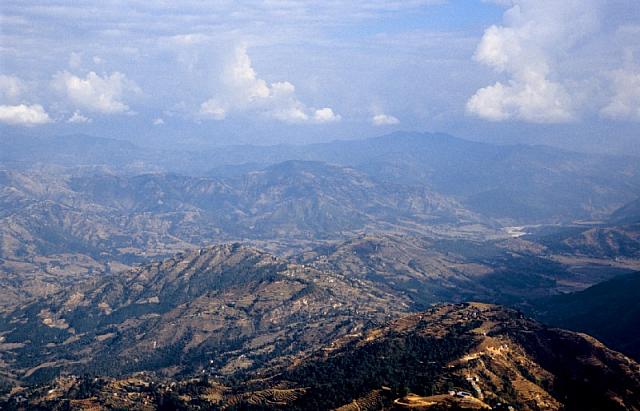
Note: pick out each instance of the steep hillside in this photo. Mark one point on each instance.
(468, 356)
(224, 309)
(494, 354)
(609, 311)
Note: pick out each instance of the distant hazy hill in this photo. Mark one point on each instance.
(628, 214)
(524, 183)
(609, 311)
(69, 150)
(292, 199)
(488, 357)
(527, 183)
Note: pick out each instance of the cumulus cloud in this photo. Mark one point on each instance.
(11, 87)
(625, 103)
(243, 91)
(78, 118)
(326, 115)
(24, 115)
(158, 121)
(382, 119)
(101, 94)
(527, 48)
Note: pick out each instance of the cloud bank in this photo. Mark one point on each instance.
(536, 48)
(536, 34)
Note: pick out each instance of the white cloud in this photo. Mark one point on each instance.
(24, 115)
(102, 94)
(384, 120)
(326, 115)
(158, 122)
(244, 82)
(212, 109)
(291, 114)
(243, 91)
(536, 34)
(11, 87)
(78, 118)
(625, 103)
(533, 98)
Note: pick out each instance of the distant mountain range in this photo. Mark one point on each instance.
(299, 198)
(522, 183)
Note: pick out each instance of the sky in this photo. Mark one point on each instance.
(194, 72)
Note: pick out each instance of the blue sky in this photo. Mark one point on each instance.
(533, 71)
